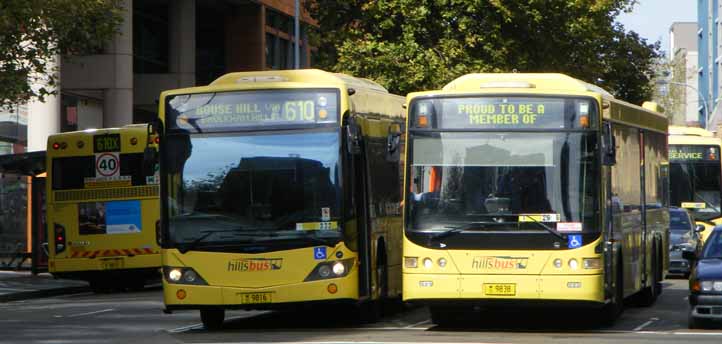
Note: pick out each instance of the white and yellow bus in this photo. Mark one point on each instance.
(102, 207)
(694, 162)
(280, 188)
(532, 189)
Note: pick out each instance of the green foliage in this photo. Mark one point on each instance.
(33, 32)
(411, 45)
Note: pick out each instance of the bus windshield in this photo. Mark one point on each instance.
(506, 180)
(250, 189)
(696, 187)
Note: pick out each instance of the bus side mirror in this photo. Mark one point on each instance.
(699, 228)
(353, 137)
(393, 143)
(609, 145)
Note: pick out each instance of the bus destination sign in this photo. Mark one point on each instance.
(209, 112)
(106, 143)
(506, 112)
(693, 153)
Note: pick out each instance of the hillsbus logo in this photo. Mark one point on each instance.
(503, 263)
(255, 264)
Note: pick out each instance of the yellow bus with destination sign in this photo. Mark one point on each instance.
(532, 190)
(694, 162)
(102, 207)
(280, 189)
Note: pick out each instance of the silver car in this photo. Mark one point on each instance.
(684, 236)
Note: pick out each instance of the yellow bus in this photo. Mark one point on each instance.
(694, 160)
(102, 207)
(280, 188)
(532, 190)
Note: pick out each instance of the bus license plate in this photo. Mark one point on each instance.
(248, 298)
(506, 289)
(111, 264)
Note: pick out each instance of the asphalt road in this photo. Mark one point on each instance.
(137, 318)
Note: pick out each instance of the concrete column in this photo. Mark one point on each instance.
(118, 99)
(43, 117)
(182, 41)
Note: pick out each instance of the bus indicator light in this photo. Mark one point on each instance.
(133, 141)
(584, 121)
(322, 114)
(332, 288)
(180, 294)
(422, 121)
(56, 145)
(80, 144)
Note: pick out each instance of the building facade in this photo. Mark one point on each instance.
(685, 101)
(166, 44)
(709, 60)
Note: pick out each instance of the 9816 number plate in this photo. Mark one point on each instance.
(500, 289)
(251, 298)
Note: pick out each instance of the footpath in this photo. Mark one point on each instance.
(21, 285)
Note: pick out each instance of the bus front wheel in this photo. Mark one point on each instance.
(212, 319)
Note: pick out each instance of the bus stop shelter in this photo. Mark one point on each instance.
(22, 244)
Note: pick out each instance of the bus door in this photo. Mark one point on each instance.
(643, 202)
(608, 158)
(358, 173)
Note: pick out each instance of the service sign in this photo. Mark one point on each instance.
(506, 113)
(228, 110)
(693, 153)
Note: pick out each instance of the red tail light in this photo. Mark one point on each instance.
(59, 238)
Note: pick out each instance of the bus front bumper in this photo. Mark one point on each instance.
(63, 267)
(184, 296)
(479, 289)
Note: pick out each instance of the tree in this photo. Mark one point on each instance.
(33, 32)
(410, 45)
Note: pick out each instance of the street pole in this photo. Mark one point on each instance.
(701, 97)
(297, 32)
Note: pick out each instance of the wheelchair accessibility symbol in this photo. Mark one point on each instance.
(574, 241)
(319, 253)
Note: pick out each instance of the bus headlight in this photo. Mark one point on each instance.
(428, 263)
(558, 263)
(573, 264)
(184, 275)
(441, 262)
(175, 275)
(324, 271)
(592, 263)
(707, 285)
(339, 269)
(331, 269)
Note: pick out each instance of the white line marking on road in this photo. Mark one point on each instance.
(698, 333)
(90, 313)
(640, 327)
(419, 323)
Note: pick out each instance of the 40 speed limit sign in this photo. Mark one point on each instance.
(107, 165)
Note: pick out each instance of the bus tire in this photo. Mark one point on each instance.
(648, 295)
(212, 318)
(450, 316)
(615, 308)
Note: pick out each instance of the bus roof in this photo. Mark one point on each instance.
(135, 128)
(692, 131)
(302, 76)
(679, 135)
(545, 81)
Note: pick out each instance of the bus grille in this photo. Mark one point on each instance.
(82, 195)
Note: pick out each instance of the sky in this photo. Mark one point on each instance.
(652, 19)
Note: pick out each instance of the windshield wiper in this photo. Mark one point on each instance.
(465, 227)
(547, 228)
(204, 234)
(706, 202)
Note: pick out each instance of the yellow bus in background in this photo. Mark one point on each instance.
(532, 190)
(102, 207)
(694, 160)
(280, 188)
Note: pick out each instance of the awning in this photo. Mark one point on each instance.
(28, 164)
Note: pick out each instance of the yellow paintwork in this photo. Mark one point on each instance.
(375, 111)
(679, 135)
(540, 280)
(144, 252)
(286, 284)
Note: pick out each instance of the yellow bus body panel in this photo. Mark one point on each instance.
(90, 253)
(530, 271)
(228, 280)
